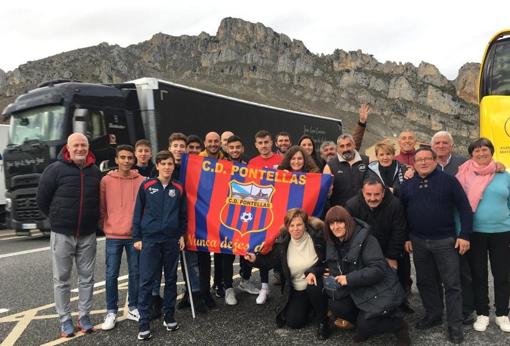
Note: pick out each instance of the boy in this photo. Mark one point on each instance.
(118, 191)
(159, 222)
(143, 154)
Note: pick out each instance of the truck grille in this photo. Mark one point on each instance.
(25, 209)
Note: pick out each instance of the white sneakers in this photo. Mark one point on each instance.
(230, 296)
(248, 287)
(109, 321)
(482, 322)
(263, 294)
(133, 315)
(504, 323)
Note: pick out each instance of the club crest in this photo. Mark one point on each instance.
(248, 207)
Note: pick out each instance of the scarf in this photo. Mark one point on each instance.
(475, 179)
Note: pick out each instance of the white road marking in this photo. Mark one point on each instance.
(3, 310)
(40, 249)
(102, 283)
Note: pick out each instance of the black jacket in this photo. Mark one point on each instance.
(397, 175)
(371, 283)
(387, 222)
(277, 258)
(347, 179)
(69, 195)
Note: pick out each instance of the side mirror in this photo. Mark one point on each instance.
(80, 119)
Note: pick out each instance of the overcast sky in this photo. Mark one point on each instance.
(444, 33)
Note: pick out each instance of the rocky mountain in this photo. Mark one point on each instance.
(251, 61)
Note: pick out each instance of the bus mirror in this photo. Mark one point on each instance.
(80, 118)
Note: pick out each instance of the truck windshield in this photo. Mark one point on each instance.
(43, 123)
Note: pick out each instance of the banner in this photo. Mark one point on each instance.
(235, 208)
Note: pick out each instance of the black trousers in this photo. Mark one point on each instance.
(404, 272)
(347, 310)
(496, 247)
(466, 282)
(204, 269)
(302, 302)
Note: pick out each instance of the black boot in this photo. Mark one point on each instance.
(323, 331)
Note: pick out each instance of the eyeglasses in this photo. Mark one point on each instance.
(425, 159)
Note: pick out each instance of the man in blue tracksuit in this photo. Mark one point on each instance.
(159, 222)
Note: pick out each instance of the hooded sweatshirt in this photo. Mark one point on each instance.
(118, 197)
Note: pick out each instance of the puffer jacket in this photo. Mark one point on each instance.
(69, 195)
(277, 258)
(372, 284)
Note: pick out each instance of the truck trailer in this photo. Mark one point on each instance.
(111, 114)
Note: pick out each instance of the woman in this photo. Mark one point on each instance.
(307, 143)
(362, 288)
(297, 160)
(299, 253)
(489, 196)
(389, 170)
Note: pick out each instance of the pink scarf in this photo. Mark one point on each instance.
(474, 179)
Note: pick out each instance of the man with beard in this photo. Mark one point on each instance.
(283, 142)
(384, 213)
(348, 169)
(212, 146)
(328, 150)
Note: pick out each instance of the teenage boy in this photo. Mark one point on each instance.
(177, 146)
(143, 154)
(194, 145)
(235, 150)
(118, 192)
(159, 223)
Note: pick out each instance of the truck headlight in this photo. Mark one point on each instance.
(8, 204)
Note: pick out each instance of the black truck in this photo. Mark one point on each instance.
(42, 119)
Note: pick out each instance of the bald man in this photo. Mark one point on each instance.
(212, 143)
(224, 138)
(407, 144)
(68, 194)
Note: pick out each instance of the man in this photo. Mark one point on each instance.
(68, 194)
(118, 192)
(407, 144)
(212, 149)
(235, 150)
(282, 142)
(224, 137)
(430, 199)
(266, 157)
(212, 146)
(143, 154)
(348, 169)
(327, 150)
(194, 145)
(442, 144)
(385, 215)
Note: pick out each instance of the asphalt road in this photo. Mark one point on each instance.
(27, 315)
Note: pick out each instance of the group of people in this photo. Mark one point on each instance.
(349, 268)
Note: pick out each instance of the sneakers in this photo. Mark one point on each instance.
(230, 296)
(248, 287)
(144, 334)
(84, 324)
(262, 297)
(170, 323)
(481, 323)
(219, 291)
(67, 329)
(504, 323)
(109, 321)
(133, 315)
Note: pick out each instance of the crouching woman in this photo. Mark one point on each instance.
(361, 287)
(299, 254)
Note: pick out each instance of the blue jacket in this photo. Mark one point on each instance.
(160, 213)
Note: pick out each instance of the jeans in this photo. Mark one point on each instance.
(114, 249)
(153, 256)
(437, 261)
(496, 247)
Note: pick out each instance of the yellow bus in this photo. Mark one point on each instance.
(494, 95)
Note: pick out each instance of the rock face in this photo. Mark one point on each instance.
(253, 62)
